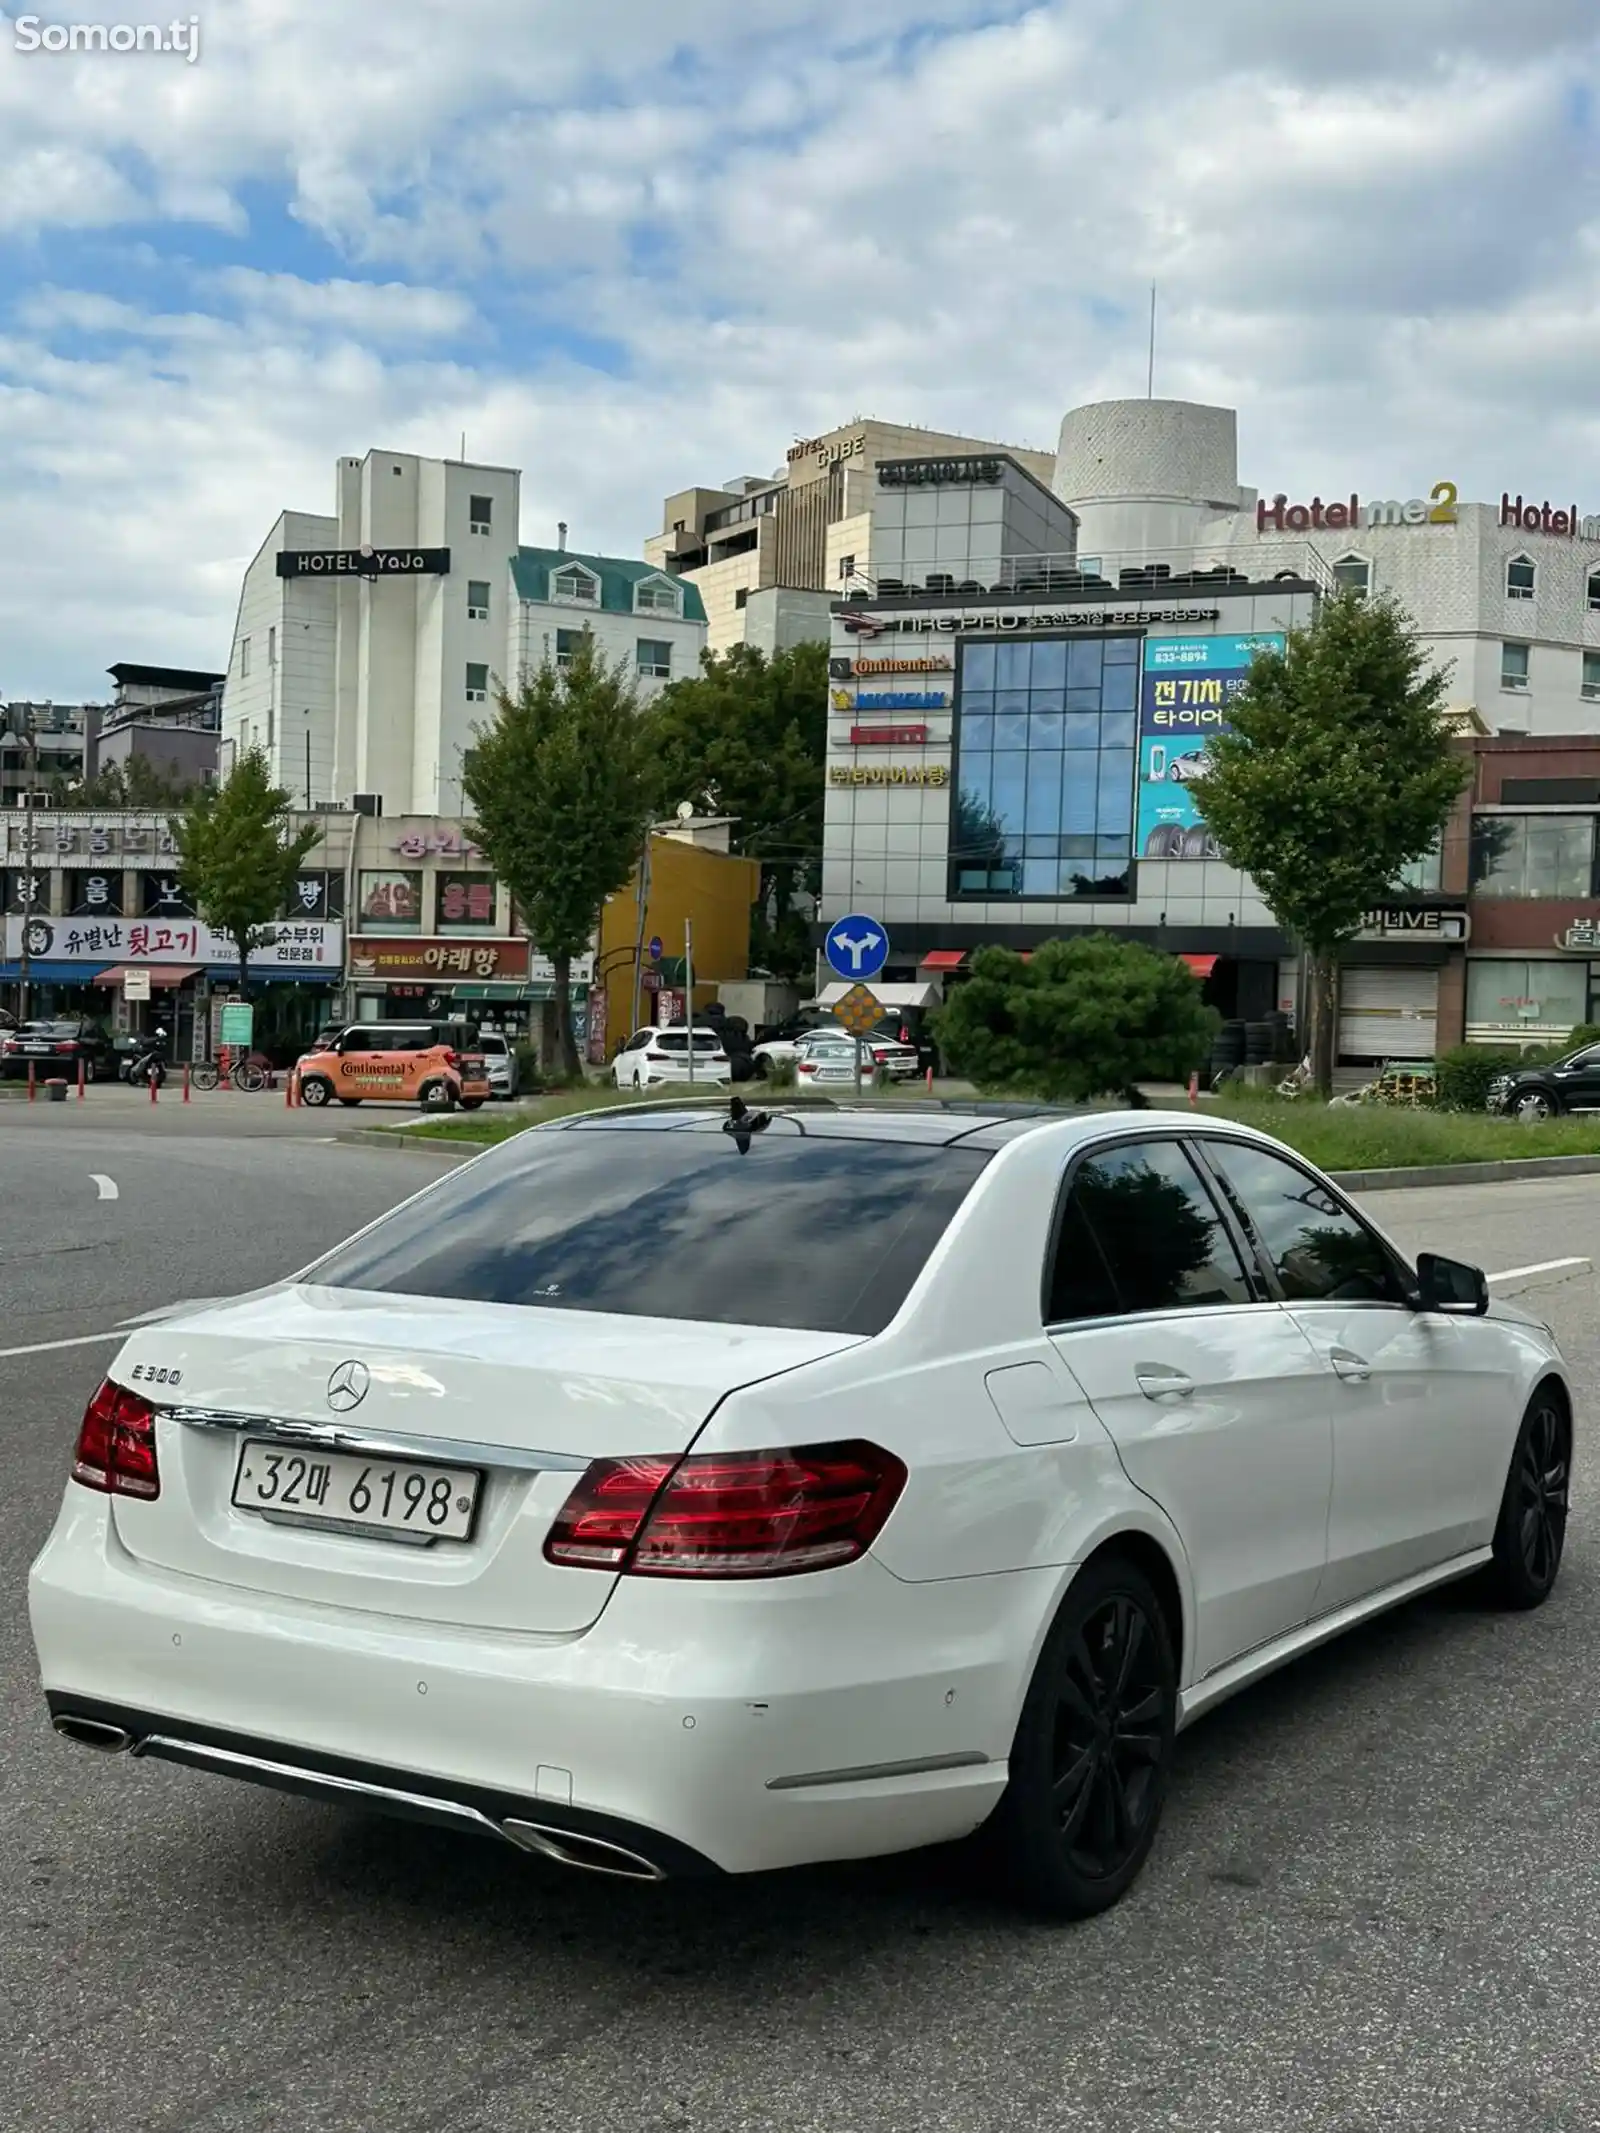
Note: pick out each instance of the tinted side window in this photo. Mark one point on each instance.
(1080, 1284)
(1319, 1249)
(356, 1040)
(801, 1231)
(1159, 1229)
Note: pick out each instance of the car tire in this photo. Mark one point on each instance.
(436, 1096)
(1093, 1748)
(472, 1103)
(1533, 1104)
(1531, 1530)
(350, 1102)
(315, 1091)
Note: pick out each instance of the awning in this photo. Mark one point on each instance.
(48, 973)
(163, 976)
(944, 959)
(1201, 965)
(886, 995)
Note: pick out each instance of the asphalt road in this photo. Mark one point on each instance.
(1375, 1904)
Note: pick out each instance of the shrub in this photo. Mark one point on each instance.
(528, 1077)
(1464, 1075)
(1586, 1033)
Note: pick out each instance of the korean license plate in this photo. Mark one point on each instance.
(346, 1489)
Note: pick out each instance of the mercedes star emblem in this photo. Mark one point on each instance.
(347, 1387)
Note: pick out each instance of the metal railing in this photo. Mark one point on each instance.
(1065, 574)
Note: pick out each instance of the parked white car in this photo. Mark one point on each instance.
(500, 1063)
(826, 1059)
(653, 1058)
(749, 1488)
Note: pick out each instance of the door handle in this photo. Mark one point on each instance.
(1158, 1383)
(1347, 1364)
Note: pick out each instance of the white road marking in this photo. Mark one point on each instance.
(186, 1303)
(108, 1186)
(80, 1340)
(1545, 1266)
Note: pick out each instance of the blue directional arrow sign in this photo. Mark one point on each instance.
(856, 947)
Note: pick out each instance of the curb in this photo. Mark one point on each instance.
(382, 1137)
(1496, 1173)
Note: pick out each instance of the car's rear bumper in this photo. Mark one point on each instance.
(831, 1717)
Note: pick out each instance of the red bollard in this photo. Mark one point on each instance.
(1194, 1092)
(153, 1085)
(930, 1081)
(80, 1081)
(186, 1081)
(33, 1082)
(288, 1090)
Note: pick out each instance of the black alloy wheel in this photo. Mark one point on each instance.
(1532, 1528)
(1093, 1752)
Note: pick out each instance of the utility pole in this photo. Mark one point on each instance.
(688, 979)
(26, 733)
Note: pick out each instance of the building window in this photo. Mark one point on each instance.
(655, 659)
(477, 683)
(1045, 787)
(272, 647)
(847, 567)
(567, 643)
(655, 597)
(1353, 573)
(1541, 1000)
(1548, 856)
(477, 599)
(575, 584)
(1591, 675)
(480, 514)
(1520, 578)
(244, 659)
(742, 597)
(1425, 876)
(1513, 666)
(1594, 592)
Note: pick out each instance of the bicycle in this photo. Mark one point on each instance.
(247, 1074)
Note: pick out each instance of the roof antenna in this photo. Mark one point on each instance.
(741, 1122)
(1150, 378)
(463, 447)
(561, 538)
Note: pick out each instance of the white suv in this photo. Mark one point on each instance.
(500, 1063)
(653, 1057)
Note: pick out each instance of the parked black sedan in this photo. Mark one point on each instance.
(56, 1047)
(1569, 1084)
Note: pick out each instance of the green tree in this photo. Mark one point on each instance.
(238, 858)
(139, 782)
(1087, 1017)
(557, 786)
(1337, 775)
(748, 737)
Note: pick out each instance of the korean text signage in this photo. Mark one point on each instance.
(74, 837)
(1413, 922)
(403, 962)
(889, 774)
(1438, 508)
(938, 473)
(1187, 686)
(177, 941)
(1043, 618)
(888, 736)
(363, 562)
(1582, 937)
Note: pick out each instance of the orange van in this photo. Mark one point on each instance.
(393, 1063)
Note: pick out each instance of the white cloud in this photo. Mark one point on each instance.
(1374, 230)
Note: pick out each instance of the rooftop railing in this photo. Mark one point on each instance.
(1105, 576)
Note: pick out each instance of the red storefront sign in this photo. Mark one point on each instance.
(407, 961)
(888, 736)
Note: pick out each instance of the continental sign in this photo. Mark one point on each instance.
(866, 669)
(889, 774)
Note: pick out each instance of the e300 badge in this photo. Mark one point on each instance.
(148, 1374)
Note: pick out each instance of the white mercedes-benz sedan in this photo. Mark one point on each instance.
(690, 1490)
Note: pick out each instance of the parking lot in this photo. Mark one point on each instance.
(1375, 1902)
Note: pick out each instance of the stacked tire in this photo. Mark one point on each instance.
(1229, 1050)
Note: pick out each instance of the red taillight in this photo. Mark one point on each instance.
(806, 1066)
(117, 1445)
(452, 1060)
(728, 1515)
(66, 1047)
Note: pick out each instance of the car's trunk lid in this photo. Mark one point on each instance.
(524, 1396)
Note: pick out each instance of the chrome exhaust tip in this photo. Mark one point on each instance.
(592, 1854)
(93, 1733)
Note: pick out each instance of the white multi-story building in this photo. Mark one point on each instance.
(370, 641)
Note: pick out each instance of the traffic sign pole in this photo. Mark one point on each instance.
(857, 947)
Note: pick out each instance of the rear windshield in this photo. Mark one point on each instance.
(802, 1232)
(676, 1040)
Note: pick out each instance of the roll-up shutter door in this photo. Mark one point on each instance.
(1387, 1012)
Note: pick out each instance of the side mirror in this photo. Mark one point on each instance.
(1448, 1285)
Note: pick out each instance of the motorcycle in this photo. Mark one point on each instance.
(149, 1065)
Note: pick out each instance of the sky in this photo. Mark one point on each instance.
(630, 247)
